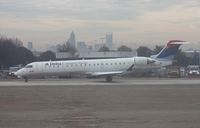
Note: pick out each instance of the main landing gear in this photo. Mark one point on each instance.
(108, 78)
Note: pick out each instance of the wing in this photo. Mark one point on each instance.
(111, 72)
(105, 73)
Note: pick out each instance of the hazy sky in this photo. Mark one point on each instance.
(131, 21)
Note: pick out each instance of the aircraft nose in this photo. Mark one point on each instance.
(18, 73)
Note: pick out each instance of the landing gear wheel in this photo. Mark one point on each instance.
(109, 78)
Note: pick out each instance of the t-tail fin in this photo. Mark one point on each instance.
(170, 50)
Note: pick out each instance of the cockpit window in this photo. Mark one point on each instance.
(29, 66)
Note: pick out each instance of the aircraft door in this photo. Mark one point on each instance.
(40, 67)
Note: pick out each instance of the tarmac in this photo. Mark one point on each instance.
(93, 103)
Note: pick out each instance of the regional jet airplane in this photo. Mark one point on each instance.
(102, 67)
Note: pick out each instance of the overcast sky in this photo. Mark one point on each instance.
(132, 21)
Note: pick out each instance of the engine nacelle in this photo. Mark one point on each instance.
(140, 60)
(143, 61)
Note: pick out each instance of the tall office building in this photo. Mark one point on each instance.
(72, 40)
(109, 40)
(30, 46)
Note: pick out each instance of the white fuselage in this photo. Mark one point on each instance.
(90, 67)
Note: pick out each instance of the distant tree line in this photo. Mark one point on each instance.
(104, 49)
(12, 53)
(122, 48)
(46, 56)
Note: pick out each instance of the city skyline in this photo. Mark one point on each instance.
(45, 22)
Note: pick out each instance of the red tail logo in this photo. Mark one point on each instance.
(173, 43)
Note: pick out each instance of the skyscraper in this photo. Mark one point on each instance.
(72, 40)
(109, 40)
